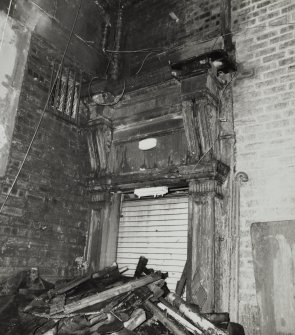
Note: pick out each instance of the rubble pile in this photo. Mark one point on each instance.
(107, 302)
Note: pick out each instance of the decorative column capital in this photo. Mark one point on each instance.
(202, 187)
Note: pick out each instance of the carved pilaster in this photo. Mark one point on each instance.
(201, 243)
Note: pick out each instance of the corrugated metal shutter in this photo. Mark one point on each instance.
(156, 229)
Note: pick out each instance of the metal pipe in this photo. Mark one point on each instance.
(116, 58)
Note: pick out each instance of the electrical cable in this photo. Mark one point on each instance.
(143, 62)
(90, 83)
(5, 24)
(163, 50)
(136, 51)
(237, 32)
(45, 107)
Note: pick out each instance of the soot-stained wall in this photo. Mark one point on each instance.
(44, 221)
(172, 29)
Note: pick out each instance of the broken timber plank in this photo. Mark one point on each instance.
(202, 323)
(174, 312)
(182, 281)
(76, 282)
(161, 317)
(111, 293)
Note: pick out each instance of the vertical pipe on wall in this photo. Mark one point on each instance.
(116, 58)
(105, 35)
(225, 16)
(239, 178)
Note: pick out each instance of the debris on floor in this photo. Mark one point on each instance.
(105, 302)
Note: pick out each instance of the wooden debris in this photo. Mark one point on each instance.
(94, 305)
(111, 293)
(137, 318)
(180, 286)
(199, 321)
(160, 316)
(57, 304)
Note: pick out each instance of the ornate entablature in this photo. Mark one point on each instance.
(191, 119)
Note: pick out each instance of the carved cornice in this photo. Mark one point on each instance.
(174, 177)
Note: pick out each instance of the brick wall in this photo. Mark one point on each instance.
(148, 25)
(264, 33)
(44, 222)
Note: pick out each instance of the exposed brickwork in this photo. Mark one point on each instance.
(149, 25)
(265, 126)
(45, 220)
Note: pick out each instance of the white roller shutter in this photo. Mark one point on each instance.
(156, 229)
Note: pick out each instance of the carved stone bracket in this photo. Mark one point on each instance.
(99, 138)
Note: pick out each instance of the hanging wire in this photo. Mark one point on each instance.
(45, 107)
(143, 62)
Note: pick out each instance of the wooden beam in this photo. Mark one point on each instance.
(111, 293)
